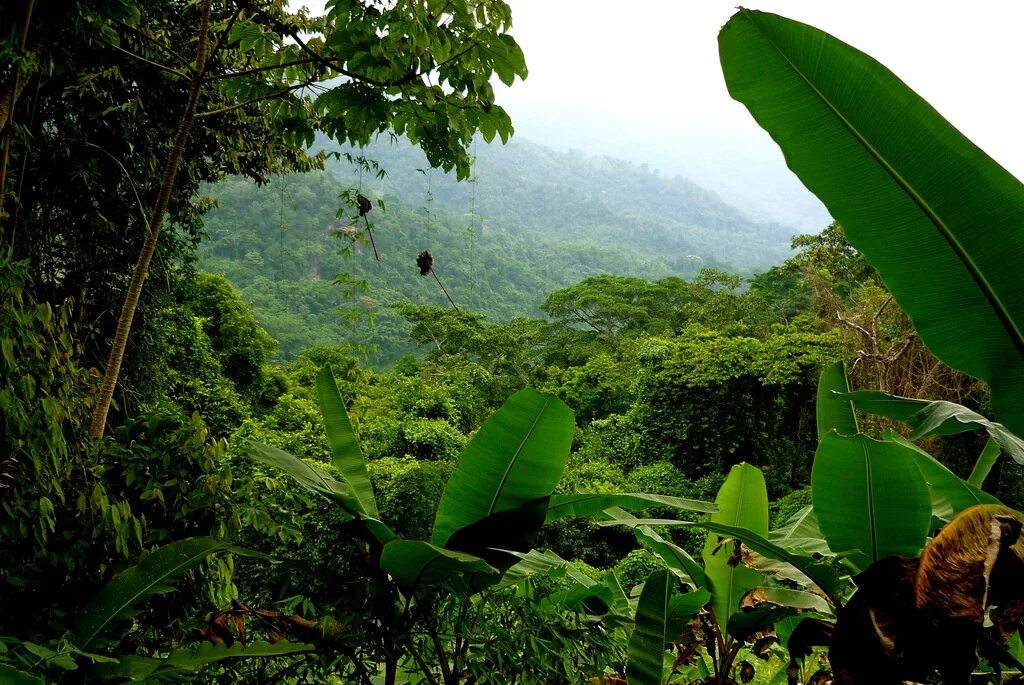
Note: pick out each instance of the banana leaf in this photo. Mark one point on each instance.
(870, 497)
(511, 465)
(927, 418)
(155, 574)
(645, 654)
(344, 445)
(834, 413)
(582, 504)
(935, 215)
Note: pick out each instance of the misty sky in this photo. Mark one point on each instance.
(642, 81)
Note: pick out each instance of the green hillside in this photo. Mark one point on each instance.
(530, 221)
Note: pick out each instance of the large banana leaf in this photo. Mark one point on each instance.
(742, 503)
(511, 465)
(833, 413)
(927, 418)
(645, 660)
(319, 481)
(582, 504)
(870, 498)
(675, 557)
(937, 217)
(415, 564)
(954, 493)
(153, 575)
(820, 573)
(185, 662)
(801, 534)
(344, 445)
(308, 476)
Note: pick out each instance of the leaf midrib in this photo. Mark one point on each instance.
(515, 457)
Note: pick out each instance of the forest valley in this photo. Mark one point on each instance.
(708, 471)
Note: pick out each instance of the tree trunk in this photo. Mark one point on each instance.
(131, 300)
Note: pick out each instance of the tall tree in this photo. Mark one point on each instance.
(135, 102)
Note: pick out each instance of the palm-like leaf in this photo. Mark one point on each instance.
(153, 575)
(937, 217)
(505, 476)
(870, 498)
(345, 452)
(646, 649)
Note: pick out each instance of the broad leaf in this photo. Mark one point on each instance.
(12, 676)
(834, 413)
(182, 663)
(870, 498)
(645, 658)
(153, 575)
(675, 557)
(319, 481)
(801, 534)
(308, 476)
(584, 504)
(986, 460)
(927, 418)
(937, 217)
(819, 573)
(944, 484)
(515, 459)
(345, 452)
(742, 503)
(415, 564)
(533, 563)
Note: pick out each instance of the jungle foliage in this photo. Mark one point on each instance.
(690, 477)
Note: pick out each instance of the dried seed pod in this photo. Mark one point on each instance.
(364, 204)
(425, 262)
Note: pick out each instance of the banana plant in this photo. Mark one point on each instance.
(937, 218)
(490, 513)
(728, 600)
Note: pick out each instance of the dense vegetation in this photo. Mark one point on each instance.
(528, 221)
(621, 466)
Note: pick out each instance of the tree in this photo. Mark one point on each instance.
(249, 101)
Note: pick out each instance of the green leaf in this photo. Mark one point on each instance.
(937, 217)
(819, 573)
(187, 661)
(801, 534)
(645, 654)
(153, 575)
(870, 497)
(534, 562)
(927, 418)
(675, 557)
(415, 563)
(834, 413)
(348, 458)
(742, 503)
(513, 461)
(584, 504)
(944, 484)
(12, 676)
(308, 476)
(986, 460)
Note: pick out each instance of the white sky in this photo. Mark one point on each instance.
(654, 63)
(641, 80)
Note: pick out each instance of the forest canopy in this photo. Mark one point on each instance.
(279, 405)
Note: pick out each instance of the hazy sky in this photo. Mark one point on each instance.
(654, 63)
(641, 80)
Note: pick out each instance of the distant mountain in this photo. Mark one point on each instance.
(567, 197)
(532, 220)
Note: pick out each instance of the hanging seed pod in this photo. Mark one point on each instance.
(425, 262)
(364, 204)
